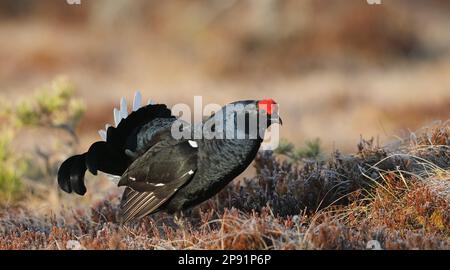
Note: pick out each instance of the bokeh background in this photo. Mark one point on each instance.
(338, 69)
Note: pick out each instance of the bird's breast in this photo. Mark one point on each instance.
(219, 162)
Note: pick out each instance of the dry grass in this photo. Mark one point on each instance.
(381, 194)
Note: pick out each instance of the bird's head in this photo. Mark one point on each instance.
(270, 108)
(246, 118)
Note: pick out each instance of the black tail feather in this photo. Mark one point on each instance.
(102, 157)
(71, 175)
(124, 135)
(109, 156)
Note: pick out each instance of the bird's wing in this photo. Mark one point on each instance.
(155, 176)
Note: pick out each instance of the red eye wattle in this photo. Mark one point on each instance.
(268, 105)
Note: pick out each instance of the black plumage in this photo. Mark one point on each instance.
(160, 172)
(110, 156)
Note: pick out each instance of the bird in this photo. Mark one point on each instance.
(161, 172)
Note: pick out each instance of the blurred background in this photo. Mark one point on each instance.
(338, 69)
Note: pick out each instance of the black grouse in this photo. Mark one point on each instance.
(164, 173)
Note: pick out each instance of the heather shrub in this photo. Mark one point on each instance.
(311, 150)
(290, 188)
(10, 170)
(53, 105)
